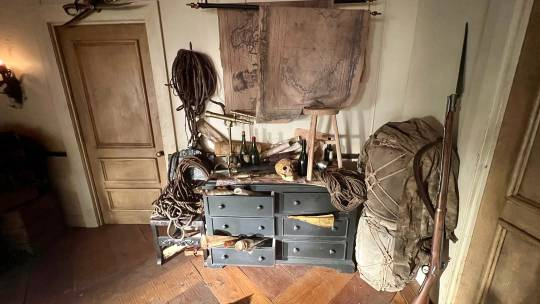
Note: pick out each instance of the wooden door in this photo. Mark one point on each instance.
(109, 76)
(503, 262)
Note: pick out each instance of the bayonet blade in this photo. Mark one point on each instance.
(461, 74)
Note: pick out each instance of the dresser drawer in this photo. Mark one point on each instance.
(306, 203)
(236, 205)
(264, 256)
(237, 226)
(292, 227)
(310, 249)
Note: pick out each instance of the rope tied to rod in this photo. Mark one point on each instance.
(194, 80)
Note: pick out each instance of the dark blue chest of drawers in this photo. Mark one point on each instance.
(290, 241)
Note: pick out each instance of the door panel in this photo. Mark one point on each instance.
(130, 170)
(509, 215)
(109, 77)
(529, 188)
(131, 199)
(116, 100)
(513, 275)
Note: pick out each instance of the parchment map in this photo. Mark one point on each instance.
(239, 37)
(281, 58)
(309, 56)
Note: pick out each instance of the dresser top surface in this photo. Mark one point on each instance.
(267, 179)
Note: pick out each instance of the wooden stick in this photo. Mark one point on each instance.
(311, 145)
(209, 241)
(320, 136)
(338, 147)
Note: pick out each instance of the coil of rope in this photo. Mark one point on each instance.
(178, 202)
(346, 187)
(194, 80)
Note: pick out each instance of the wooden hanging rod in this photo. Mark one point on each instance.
(240, 6)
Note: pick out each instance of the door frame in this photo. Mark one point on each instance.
(65, 109)
(518, 13)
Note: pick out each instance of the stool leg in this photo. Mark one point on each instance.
(311, 146)
(336, 137)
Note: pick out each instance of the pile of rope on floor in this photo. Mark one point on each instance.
(178, 202)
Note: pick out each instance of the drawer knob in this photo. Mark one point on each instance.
(261, 258)
(296, 249)
(334, 228)
(260, 207)
(224, 257)
(331, 251)
(296, 203)
(260, 227)
(225, 226)
(296, 227)
(221, 206)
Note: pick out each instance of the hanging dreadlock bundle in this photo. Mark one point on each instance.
(178, 202)
(346, 187)
(194, 80)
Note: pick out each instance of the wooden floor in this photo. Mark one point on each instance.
(115, 264)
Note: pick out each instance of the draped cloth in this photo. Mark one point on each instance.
(309, 57)
(282, 58)
(239, 48)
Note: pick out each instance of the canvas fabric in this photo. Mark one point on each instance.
(393, 211)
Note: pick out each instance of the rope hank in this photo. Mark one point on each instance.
(178, 202)
(346, 187)
(194, 80)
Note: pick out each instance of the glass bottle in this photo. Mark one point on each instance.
(254, 154)
(303, 160)
(328, 154)
(245, 158)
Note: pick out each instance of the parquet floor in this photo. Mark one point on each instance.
(115, 264)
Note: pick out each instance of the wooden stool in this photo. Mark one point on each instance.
(161, 242)
(315, 112)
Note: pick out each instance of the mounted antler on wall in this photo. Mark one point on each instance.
(81, 9)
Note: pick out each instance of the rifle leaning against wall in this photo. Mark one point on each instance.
(435, 269)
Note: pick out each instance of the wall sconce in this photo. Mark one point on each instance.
(11, 85)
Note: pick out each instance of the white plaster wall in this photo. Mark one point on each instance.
(31, 52)
(389, 52)
(20, 49)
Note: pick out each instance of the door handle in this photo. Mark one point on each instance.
(160, 153)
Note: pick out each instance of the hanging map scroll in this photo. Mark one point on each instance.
(239, 40)
(239, 48)
(308, 57)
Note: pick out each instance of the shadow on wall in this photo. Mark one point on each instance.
(59, 170)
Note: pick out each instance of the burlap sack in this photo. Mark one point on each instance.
(394, 211)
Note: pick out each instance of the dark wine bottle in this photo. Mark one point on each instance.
(303, 160)
(245, 158)
(328, 154)
(254, 154)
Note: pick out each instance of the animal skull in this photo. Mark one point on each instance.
(285, 169)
